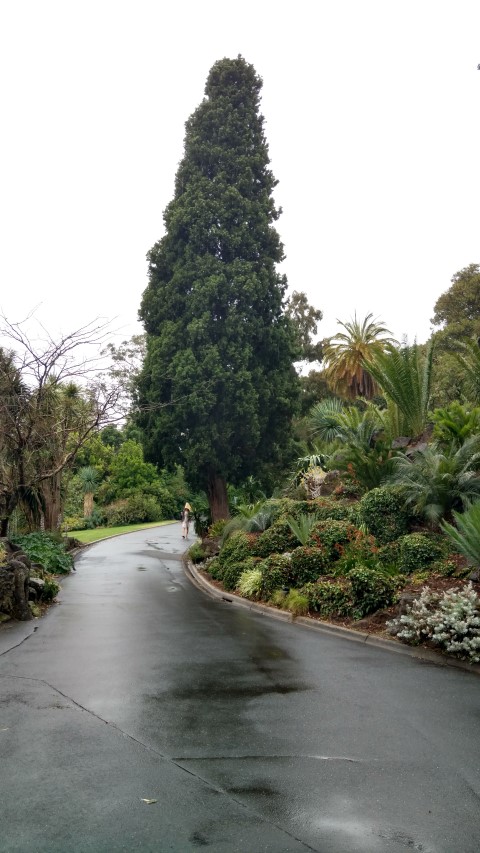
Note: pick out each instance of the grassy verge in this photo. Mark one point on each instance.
(87, 536)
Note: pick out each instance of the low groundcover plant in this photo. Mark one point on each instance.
(450, 620)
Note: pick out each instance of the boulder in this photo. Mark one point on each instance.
(14, 576)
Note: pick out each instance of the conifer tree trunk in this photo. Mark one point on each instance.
(217, 497)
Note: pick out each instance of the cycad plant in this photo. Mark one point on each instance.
(252, 518)
(362, 440)
(466, 535)
(434, 483)
(405, 377)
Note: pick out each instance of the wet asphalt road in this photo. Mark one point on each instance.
(251, 734)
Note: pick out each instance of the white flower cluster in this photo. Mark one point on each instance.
(450, 619)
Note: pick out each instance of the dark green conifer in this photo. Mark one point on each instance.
(218, 374)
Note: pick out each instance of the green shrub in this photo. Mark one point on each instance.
(306, 565)
(333, 536)
(417, 551)
(372, 590)
(389, 554)
(96, 519)
(275, 571)
(296, 602)
(383, 511)
(232, 571)
(282, 507)
(329, 596)
(216, 529)
(196, 553)
(325, 508)
(50, 589)
(73, 523)
(231, 575)
(249, 583)
(47, 551)
(214, 568)
(276, 540)
(235, 549)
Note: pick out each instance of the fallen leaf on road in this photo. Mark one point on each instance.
(148, 802)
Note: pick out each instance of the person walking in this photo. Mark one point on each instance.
(186, 520)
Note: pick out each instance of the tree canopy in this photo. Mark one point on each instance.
(218, 383)
(458, 309)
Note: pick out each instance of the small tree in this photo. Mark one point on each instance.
(45, 417)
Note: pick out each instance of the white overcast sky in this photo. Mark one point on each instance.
(372, 118)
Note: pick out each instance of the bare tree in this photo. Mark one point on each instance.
(51, 401)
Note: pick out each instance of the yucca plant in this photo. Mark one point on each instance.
(466, 535)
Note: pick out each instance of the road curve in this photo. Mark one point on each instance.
(247, 734)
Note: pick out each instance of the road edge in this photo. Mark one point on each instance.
(370, 640)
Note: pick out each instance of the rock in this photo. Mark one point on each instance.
(35, 588)
(14, 576)
(211, 547)
(474, 576)
(405, 602)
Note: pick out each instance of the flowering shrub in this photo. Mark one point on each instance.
(450, 620)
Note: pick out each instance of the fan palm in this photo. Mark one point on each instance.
(348, 354)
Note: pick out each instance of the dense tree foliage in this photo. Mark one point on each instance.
(305, 319)
(458, 309)
(218, 387)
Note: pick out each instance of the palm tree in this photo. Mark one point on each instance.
(348, 354)
(405, 377)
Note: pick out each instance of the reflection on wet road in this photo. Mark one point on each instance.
(249, 734)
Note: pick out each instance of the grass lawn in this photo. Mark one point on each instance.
(87, 536)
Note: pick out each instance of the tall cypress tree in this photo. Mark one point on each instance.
(218, 386)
